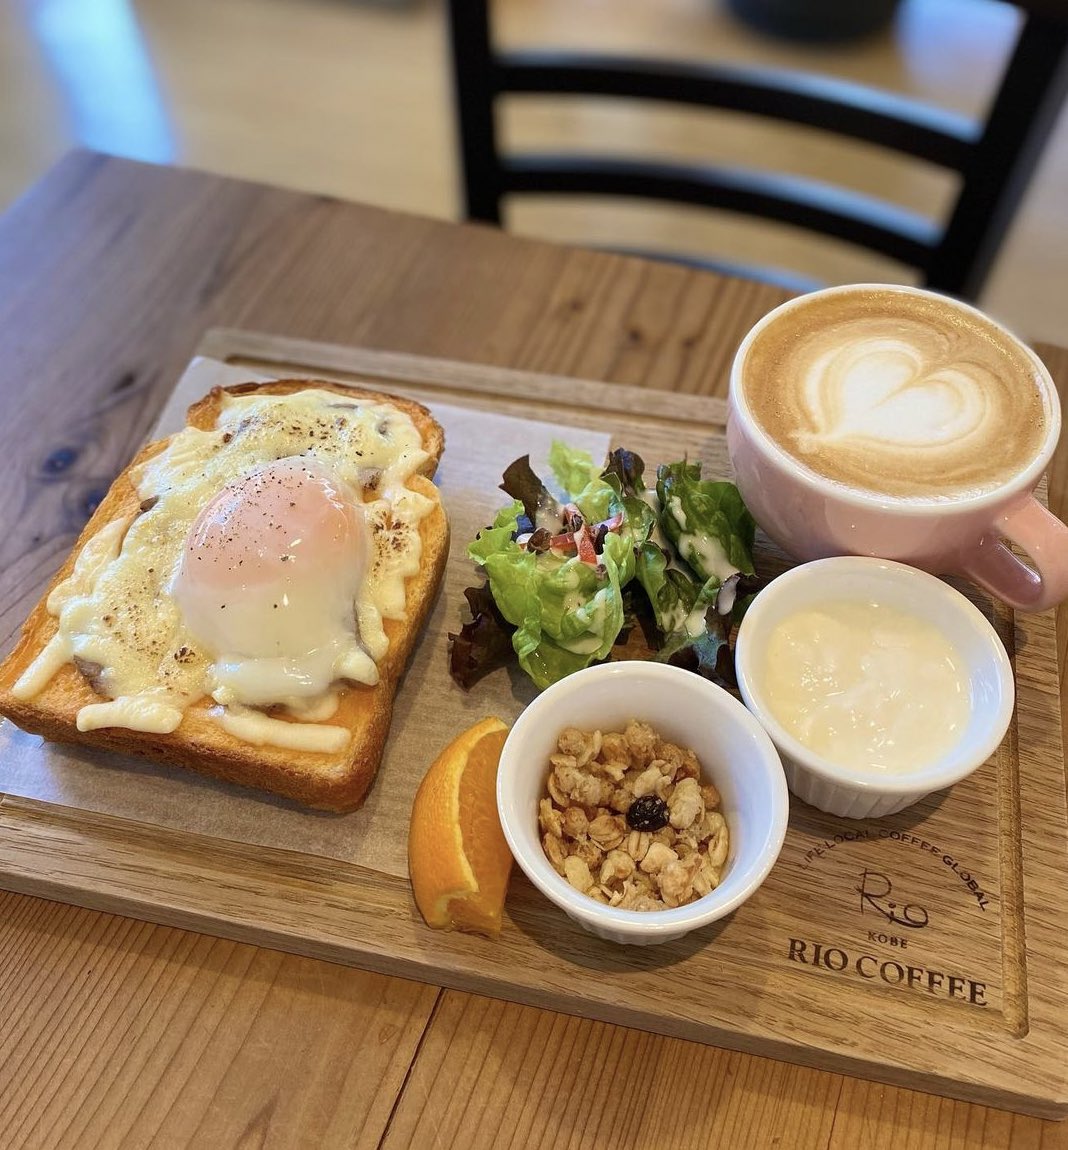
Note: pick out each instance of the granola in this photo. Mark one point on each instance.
(629, 821)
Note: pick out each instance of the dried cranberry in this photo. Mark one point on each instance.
(647, 814)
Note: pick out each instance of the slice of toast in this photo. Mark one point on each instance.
(338, 781)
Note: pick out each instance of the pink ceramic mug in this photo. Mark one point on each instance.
(812, 517)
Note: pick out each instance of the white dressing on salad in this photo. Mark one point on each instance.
(672, 620)
(650, 498)
(675, 507)
(593, 613)
(693, 623)
(544, 518)
(656, 535)
(584, 645)
(700, 550)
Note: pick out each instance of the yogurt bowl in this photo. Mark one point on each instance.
(892, 739)
(735, 753)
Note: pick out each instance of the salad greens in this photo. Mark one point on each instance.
(565, 576)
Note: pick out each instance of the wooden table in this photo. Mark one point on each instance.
(118, 1033)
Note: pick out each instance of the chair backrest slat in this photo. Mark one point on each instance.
(993, 156)
(891, 121)
(832, 211)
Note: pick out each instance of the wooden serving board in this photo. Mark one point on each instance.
(926, 949)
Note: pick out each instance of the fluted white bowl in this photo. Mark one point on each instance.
(735, 753)
(856, 792)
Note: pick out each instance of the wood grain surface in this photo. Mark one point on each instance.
(109, 273)
(118, 1033)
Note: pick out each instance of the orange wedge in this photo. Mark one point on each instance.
(458, 858)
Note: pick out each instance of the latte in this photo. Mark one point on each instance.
(902, 395)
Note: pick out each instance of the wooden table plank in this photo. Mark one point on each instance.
(870, 1115)
(589, 1085)
(120, 1033)
(494, 1074)
(586, 1084)
(117, 1033)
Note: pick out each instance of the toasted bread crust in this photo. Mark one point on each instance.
(334, 782)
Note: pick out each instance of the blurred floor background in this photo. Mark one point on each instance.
(352, 99)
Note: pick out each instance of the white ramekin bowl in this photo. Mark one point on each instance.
(735, 753)
(866, 794)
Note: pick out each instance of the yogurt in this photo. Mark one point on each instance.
(866, 685)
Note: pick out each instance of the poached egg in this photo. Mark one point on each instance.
(269, 575)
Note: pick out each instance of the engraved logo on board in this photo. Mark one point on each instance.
(875, 889)
(894, 920)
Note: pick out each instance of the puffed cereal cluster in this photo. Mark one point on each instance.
(628, 821)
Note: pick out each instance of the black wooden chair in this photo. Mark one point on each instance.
(994, 156)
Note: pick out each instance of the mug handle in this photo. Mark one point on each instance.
(1045, 539)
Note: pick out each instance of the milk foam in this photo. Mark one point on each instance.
(883, 391)
(897, 394)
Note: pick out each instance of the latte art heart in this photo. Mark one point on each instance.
(883, 392)
(906, 396)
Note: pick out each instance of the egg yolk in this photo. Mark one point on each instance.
(273, 563)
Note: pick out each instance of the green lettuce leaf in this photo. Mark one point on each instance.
(567, 614)
(707, 650)
(706, 521)
(597, 501)
(673, 594)
(572, 468)
(490, 540)
(581, 480)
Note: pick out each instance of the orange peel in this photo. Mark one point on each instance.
(458, 858)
